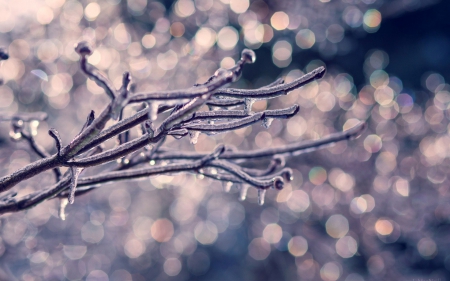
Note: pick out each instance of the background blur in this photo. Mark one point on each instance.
(375, 208)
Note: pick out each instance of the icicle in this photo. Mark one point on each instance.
(248, 103)
(193, 135)
(62, 208)
(243, 193)
(267, 122)
(261, 195)
(227, 186)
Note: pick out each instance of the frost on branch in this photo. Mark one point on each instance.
(159, 114)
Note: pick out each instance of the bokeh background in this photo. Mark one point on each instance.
(374, 208)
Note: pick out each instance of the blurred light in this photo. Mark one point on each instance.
(204, 5)
(335, 33)
(434, 81)
(97, 275)
(6, 96)
(162, 230)
(352, 16)
(177, 29)
(337, 226)
(384, 227)
(281, 53)
(263, 139)
(239, 6)
(279, 20)
(305, 38)
(259, 249)
(341, 180)
(317, 175)
(47, 51)
(167, 60)
(205, 37)
(184, 8)
(92, 233)
(272, 233)
(373, 143)
(268, 33)
(183, 209)
(372, 20)
(330, 271)
(39, 257)
(92, 11)
(148, 41)
(375, 265)
(298, 201)
(121, 34)
(325, 101)
(142, 227)
(386, 162)
(378, 59)
(402, 187)
(134, 248)
(346, 247)
(206, 232)
(298, 246)
(297, 126)
(379, 78)
(74, 252)
(137, 7)
(44, 15)
(119, 199)
(227, 62)
(227, 38)
(172, 266)
(427, 248)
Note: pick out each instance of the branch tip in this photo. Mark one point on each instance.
(55, 135)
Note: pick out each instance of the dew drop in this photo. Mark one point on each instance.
(267, 122)
(193, 135)
(261, 196)
(243, 192)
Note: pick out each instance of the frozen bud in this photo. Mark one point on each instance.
(83, 48)
(279, 161)
(278, 183)
(3, 54)
(248, 56)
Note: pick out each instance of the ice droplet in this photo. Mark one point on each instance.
(248, 105)
(267, 122)
(243, 193)
(227, 186)
(193, 135)
(261, 196)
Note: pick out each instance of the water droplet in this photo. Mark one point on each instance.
(248, 105)
(126, 161)
(193, 135)
(227, 186)
(261, 196)
(267, 122)
(152, 162)
(243, 192)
